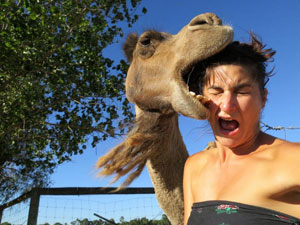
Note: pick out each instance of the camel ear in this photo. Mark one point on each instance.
(129, 46)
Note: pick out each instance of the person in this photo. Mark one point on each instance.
(248, 177)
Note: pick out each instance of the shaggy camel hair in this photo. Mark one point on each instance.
(159, 82)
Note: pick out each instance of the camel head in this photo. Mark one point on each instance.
(162, 76)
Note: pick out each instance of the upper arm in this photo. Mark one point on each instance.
(295, 169)
(187, 190)
(289, 165)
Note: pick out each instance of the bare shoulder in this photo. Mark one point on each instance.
(289, 149)
(199, 159)
(280, 146)
(292, 153)
(288, 156)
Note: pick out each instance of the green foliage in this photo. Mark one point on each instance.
(139, 221)
(87, 222)
(57, 88)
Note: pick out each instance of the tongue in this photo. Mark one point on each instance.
(229, 125)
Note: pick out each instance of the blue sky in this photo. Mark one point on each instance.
(277, 22)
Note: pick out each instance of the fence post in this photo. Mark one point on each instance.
(1, 211)
(34, 207)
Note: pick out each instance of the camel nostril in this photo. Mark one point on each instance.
(198, 22)
(204, 20)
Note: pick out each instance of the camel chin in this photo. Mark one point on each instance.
(189, 103)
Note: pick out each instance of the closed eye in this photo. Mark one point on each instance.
(243, 92)
(215, 90)
(243, 89)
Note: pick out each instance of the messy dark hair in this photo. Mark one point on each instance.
(253, 55)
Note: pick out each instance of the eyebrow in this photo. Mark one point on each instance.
(214, 87)
(237, 87)
(245, 85)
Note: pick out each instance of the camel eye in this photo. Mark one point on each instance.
(145, 41)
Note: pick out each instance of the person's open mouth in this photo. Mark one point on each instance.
(228, 126)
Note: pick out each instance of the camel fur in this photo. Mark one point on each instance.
(161, 76)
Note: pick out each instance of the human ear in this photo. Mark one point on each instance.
(265, 97)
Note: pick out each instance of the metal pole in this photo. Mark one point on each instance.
(34, 207)
(103, 218)
(1, 212)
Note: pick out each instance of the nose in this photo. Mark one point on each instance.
(228, 102)
(204, 19)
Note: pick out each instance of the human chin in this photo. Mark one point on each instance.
(227, 138)
(227, 142)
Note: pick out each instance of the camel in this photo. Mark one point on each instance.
(162, 82)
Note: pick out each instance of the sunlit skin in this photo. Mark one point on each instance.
(247, 165)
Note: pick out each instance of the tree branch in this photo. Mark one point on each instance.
(268, 127)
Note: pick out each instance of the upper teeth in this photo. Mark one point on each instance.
(192, 93)
(226, 119)
(200, 98)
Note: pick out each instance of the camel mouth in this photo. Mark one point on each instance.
(191, 75)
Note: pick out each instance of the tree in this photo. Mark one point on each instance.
(144, 221)
(88, 222)
(58, 90)
(138, 221)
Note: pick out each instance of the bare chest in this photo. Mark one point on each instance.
(265, 185)
(233, 182)
(253, 181)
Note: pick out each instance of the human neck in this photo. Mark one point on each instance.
(241, 151)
